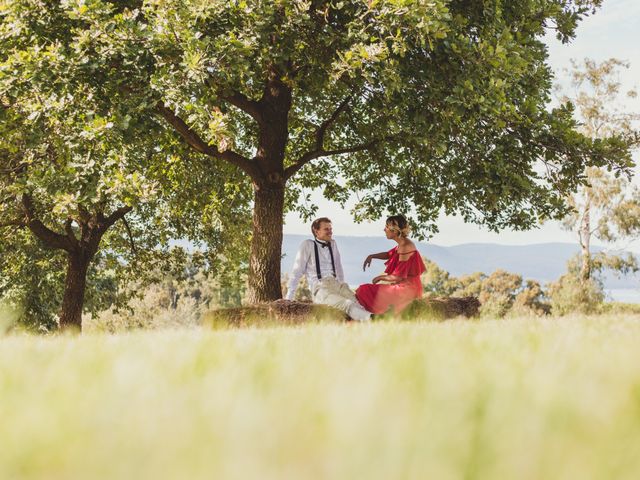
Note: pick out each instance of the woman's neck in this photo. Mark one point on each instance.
(401, 241)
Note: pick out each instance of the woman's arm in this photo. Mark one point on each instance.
(388, 278)
(379, 256)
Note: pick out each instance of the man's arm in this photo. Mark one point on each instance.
(338, 262)
(299, 269)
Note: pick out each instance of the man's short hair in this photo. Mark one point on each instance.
(316, 224)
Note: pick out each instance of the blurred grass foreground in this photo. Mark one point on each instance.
(523, 399)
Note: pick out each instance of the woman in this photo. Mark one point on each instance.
(402, 275)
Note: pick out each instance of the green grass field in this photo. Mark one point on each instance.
(513, 399)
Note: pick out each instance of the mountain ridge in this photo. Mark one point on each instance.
(543, 262)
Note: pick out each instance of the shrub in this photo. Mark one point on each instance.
(500, 294)
(177, 299)
(303, 293)
(570, 294)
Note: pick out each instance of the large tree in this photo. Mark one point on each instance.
(607, 207)
(416, 105)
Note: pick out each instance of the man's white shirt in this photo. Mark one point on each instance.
(305, 264)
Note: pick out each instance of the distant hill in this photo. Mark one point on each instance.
(543, 262)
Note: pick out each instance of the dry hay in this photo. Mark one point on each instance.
(441, 308)
(285, 312)
(279, 312)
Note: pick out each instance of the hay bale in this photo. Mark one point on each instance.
(286, 312)
(441, 308)
(279, 312)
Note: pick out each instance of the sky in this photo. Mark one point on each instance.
(614, 31)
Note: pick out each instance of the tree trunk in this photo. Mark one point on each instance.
(268, 210)
(266, 245)
(585, 241)
(74, 288)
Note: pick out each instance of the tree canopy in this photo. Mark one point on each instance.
(422, 106)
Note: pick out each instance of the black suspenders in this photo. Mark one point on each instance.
(333, 265)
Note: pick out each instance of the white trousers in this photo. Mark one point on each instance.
(329, 291)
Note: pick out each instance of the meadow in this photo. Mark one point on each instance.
(557, 398)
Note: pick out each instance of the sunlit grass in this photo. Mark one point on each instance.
(8, 317)
(516, 399)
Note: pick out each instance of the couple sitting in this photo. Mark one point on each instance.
(319, 259)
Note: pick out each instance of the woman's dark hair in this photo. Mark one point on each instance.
(316, 224)
(400, 224)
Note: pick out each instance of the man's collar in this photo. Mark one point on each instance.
(321, 243)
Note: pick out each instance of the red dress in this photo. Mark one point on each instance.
(377, 298)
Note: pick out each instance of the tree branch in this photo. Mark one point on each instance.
(130, 235)
(17, 169)
(238, 100)
(50, 238)
(191, 137)
(114, 217)
(13, 223)
(307, 157)
(198, 144)
(245, 104)
(329, 121)
(69, 230)
(319, 150)
(84, 214)
(85, 223)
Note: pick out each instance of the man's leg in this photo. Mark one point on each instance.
(357, 311)
(346, 292)
(332, 293)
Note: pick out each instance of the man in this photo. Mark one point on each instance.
(319, 260)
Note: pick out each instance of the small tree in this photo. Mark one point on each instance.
(608, 206)
(500, 294)
(84, 184)
(503, 293)
(65, 205)
(571, 293)
(531, 299)
(70, 169)
(436, 281)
